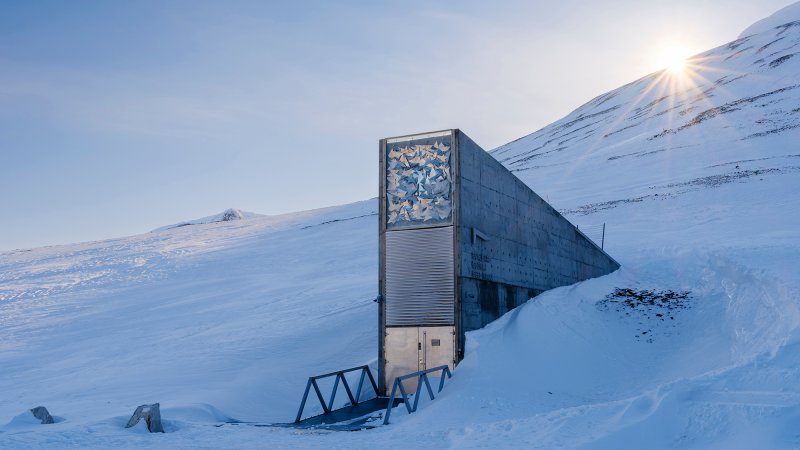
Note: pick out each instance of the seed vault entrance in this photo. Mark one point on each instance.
(462, 241)
(412, 349)
(418, 258)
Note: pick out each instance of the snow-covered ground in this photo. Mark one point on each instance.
(699, 186)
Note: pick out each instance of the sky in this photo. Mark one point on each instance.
(120, 117)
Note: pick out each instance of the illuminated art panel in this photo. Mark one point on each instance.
(418, 182)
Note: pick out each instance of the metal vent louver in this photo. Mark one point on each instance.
(419, 277)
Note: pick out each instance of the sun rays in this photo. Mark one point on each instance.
(683, 88)
(660, 109)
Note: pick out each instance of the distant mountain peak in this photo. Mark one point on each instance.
(228, 215)
(231, 214)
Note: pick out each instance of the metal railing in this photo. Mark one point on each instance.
(422, 377)
(596, 233)
(354, 399)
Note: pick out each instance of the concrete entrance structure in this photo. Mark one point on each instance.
(462, 242)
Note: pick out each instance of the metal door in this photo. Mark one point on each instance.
(401, 353)
(436, 346)
(411, 349)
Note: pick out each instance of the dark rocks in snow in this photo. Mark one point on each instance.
(341, 220)
(41, 413)
(151, 415)
(633, 298)
(738, 42)
(772, 131)
(765, 46)
(595, 207)
(777, 62)
(786, 26)
(711, 181)
(651, 307)
(729, 107)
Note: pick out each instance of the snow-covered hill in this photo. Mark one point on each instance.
(214, 321)
(734, 116)
(694, 343)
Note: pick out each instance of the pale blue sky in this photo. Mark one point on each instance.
(120, 117)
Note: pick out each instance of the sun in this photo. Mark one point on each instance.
(673, 59)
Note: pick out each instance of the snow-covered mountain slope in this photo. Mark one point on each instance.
(733, 116)
(781, 17)
(694, 343)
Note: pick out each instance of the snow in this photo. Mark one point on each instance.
(783, 16)
(25, 421)
(226, 320)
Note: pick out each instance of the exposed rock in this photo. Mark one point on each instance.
(231, 214)
(41, 413)
(151, 415)
(654, 311)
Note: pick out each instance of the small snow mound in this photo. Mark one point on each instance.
(24, 420)
(783, 16)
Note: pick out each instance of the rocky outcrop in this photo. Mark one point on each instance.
(151, 415)
(41, 413)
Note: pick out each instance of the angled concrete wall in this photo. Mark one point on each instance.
(511, 244)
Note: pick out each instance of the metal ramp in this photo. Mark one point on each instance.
(357, 414)
(362, 416)
(366, 414)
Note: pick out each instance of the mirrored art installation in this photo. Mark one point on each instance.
(418, 183)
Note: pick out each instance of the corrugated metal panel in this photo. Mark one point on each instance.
(419, 277)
